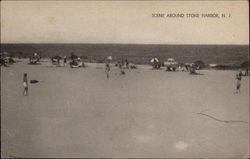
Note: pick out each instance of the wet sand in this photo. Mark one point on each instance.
(144, 113)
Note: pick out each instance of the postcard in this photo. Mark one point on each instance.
(124, 79)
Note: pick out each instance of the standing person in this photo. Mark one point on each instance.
(64, 61)
(238, 83)
(127, 63)
(107, 70)
(25, 84)
(58, 62)
(119, 65)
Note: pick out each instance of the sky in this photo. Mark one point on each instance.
(123, 22)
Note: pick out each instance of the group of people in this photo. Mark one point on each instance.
(119, 64)
(6, 61)
(35, 58)
(107, 70)
(56, 60)
(239, 74)
(75, 62)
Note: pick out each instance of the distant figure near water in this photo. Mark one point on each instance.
(238, 83)
(64, 61)
(127, 63)
(25, 84)
(58, 62)
(107, 69)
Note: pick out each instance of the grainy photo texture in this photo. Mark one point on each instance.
(129, 79)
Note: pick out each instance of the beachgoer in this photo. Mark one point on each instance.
(127, 64)
(246, 72)
(119, 65)
(122, 72)
(3, 62)
(192, 69)
(238, 83)
(107, 69)
(58, 62)
(155, 64)
(64, 61)
(25, 84)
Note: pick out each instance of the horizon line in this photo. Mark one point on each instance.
(125, 44)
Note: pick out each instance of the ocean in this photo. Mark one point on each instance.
(136, 53)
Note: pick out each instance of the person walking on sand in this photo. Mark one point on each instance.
(238, 83)
(25, 84)
(107, 69)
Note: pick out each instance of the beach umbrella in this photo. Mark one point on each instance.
(109, 57)
(154, 60)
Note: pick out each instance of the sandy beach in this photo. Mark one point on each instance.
(144, 113)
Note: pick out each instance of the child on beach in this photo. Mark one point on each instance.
(25, 84)
(238, 83)
(107, 70)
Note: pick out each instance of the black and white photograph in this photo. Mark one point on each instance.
(125, 79)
